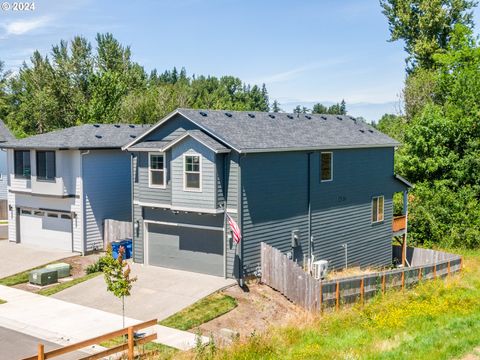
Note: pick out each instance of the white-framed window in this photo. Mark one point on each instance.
(157, 173)
(326, 166)
(377, 209)
(192, 174)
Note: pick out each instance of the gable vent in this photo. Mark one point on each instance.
(227, 114)
(324, 117)
(339, 118)
(96, 125)
(203, 113)
(271, 116)
(251, 115)
(117, 126)
(308, 117)
(290, 116)
(98, 136)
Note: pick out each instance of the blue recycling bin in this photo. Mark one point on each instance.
(127, 244)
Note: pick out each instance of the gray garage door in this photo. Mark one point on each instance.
(184, 248)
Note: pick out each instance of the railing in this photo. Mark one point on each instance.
(399, 223)
(129, 345)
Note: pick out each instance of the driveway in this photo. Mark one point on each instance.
(18, 257)
(158, 292)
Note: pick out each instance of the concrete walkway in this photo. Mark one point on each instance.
(64, 323)
(18, 257)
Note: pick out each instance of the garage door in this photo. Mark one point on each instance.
(49, 230)
(184, 248)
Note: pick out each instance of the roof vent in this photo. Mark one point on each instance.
(98, 136)
(251, 115)
(290, 116)
(351, 117)
(132, 126)
(117, 125)
(370, 130)
(339, 118)
(361, 130)
(271, 116)
(308, 117)
(203, 113)
(228, 114)
(133, 136)
(96, 125)
(324, 117)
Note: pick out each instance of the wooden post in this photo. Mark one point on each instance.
(383, 284)
(461, 263)
(448, 268)
(434, 271)
(362, 290)
(41, 352)
(420, 274)
(130, 343)
(404, 249)
(337, 296)
(403, 280)
(321, 297)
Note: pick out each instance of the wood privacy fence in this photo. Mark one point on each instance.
(3, 210)
(114, 230)
(287, 277)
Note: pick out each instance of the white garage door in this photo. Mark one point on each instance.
(46, 229)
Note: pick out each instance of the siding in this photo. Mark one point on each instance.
(138, 235)
(170, 130)
(144, 192)
(3, 174)
(232, 179)
(220, 181)
(106, 178)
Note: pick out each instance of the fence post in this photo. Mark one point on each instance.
(383, 284)
(403, 279)
(321, 297)
(337, 296)
(41, 352)
(362, 290)
(448, 268)
(461, 263)
(434, 271)
(130, 343)
(420, 274)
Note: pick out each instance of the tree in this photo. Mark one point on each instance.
(335, 109)
(276, 106)
(3, 91)
(392, 125)
(343, 107)
(117, 276)
(319, 109)
(425, 25)
(301, 110)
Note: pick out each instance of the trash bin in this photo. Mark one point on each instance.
(127, 244)
(115, 249)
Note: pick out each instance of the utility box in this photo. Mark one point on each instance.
(43, 277)
(62, 269)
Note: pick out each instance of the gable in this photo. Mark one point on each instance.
(171, 129)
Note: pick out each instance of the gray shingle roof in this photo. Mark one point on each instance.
(155, 145)
(89, 136)
(248, 131)
(5, 134)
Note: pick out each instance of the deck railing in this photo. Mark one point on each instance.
(399, 223)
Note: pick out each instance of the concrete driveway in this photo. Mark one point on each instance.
(18, 257)
(158, 292)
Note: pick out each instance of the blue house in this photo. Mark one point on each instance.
(63, 184)
(310, 185)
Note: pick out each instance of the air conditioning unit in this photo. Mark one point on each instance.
(319, 269)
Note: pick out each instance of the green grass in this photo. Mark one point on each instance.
(16, 279)
(158, 351)
(202, 311)
(65, 285)
(436, 320)
(2, 301)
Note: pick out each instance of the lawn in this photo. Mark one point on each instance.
(65, 285)
(155, 350)
(202, 311)
(16, 279)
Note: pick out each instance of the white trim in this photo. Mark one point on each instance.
(150, 185)
(170, 207)
(331, 166)
(200, 173)
(232, 211)
(177, 140)
(145, 243)
(203, 227)
(383, 209)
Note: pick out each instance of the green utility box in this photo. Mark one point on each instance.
(43, 277)
(62, 269)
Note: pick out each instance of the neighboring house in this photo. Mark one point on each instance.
(63, 184)
(306, 184)
(5, 136)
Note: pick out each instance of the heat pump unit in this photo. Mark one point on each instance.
(319, 269)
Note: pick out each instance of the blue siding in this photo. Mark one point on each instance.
(144, 192)
(171, 129)
(107, 192)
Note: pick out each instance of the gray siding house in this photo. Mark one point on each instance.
(5, 136)
(310, 185)
(63, 184)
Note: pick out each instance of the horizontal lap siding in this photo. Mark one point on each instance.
(145, 192)
(138, 244)
(170, 130)
(232, 187)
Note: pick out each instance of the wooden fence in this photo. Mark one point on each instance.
(127, 346)
(287, 277)
(114, 230)
(3, 210)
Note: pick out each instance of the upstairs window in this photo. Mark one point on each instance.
(326, 166)
(46, 165)
(192, 176)
(377, 209)
(22, 164)
(157, 170)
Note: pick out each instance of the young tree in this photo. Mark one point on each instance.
(319, 109)
(343, 107)
(276, 106)
(117, 276)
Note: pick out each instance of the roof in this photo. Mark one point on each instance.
(88, 136)
(5, 134)
(403, 181)
(253, 131)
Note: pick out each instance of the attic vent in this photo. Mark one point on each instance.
(361, 130)
(203, 113)
(132, 126)
(251, 115)
(228, 114)
(96, 125)
(271, 116)
(370, 130)
(351, 117)
(98, 136)
(133, 136)
(339, 118)
(324, 117)
(308, 117)
(290, 116)
(117, 126)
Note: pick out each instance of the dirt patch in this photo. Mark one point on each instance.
(474, 355)
(78, 265)
(258, 309)
(350, 272)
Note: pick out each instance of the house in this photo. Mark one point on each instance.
(63, 184)
(318, 185)
(5, 136)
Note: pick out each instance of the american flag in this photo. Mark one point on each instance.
(237, 235)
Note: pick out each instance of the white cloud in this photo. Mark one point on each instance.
(21, 27)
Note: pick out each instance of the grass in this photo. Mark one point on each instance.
(16, 279)
(2, 301)
(158, 351)
(436, 320)
(202, 311)
(65, 285)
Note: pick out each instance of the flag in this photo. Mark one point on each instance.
(237, 235)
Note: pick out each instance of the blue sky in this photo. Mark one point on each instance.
(305, 51)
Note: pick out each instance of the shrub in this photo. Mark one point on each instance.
(98, 266)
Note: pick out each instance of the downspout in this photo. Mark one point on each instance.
(82, 154)
(309, 209)
(240, 221)
(226, 157)
(132, 180)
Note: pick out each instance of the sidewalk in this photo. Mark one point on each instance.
(64, 323)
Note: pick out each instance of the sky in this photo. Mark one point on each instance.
(304, 51)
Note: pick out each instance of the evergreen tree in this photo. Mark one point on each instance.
(343, 108)
(276, 106)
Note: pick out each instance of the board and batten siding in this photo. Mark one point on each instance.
(106, 192)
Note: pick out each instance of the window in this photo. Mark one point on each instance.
(157, 170)
(22, 163)
(377, 209)
(192, 177)
(45, 165)
(326, 166)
